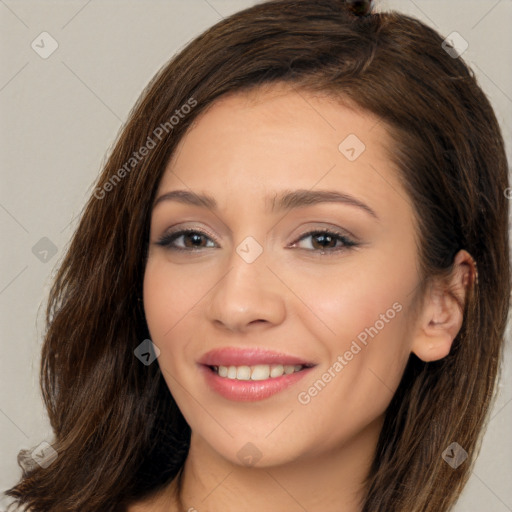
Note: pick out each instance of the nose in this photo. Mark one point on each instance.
(248, 296)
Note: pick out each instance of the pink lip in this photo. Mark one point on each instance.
(249, 357)
(250, 390)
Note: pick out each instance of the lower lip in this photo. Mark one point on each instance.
(250, 390)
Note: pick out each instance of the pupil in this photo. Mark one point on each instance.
(325, 238)
(194, 237)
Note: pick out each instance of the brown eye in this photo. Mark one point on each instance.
(192, 239)
(324, 242)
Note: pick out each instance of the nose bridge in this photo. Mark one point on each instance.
(249, 292)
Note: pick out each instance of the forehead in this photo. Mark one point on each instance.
(279, 113)
(280, 137)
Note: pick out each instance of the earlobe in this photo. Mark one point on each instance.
(442, 314)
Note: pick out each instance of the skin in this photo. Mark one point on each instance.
(291, 299)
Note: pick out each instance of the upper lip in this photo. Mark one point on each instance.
(230, 356)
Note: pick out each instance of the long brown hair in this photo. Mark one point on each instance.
(118, 432)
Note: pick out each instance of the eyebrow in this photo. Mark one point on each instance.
(285, 201)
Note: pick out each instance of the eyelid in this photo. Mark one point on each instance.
(314, 227)
(187, 229)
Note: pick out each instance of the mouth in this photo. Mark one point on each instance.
(257, 372)
(251, 374)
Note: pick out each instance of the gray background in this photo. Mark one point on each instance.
(60, 116)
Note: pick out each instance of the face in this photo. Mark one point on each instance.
(281, 302)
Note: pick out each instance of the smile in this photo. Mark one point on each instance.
(252, 390)
(257, 372)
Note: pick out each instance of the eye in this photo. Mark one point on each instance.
(325, 241)
(322, 241)
(192, 239)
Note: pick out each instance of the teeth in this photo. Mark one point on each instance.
(257, 372)
(243, 373)
(277, 370)
(260, 372)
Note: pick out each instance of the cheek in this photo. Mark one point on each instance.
(357, 382)
(367, 288)
(367, 341)
(347, 303)
(169, 296)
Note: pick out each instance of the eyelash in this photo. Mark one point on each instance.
(168, 239)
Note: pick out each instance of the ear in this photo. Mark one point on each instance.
(441, 316)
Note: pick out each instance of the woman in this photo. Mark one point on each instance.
(290, 286)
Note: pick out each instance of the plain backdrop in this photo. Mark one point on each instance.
(60, 115)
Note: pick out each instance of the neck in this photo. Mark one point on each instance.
(332, 481)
